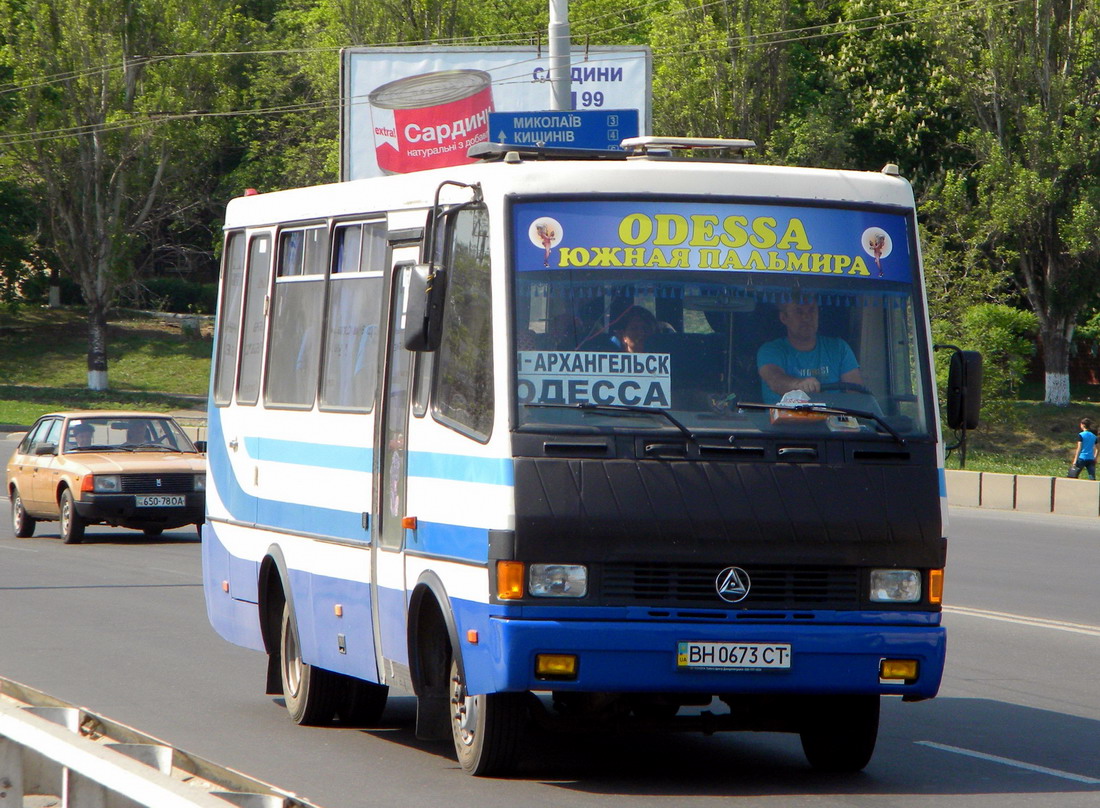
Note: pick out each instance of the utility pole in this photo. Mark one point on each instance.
(560, 56)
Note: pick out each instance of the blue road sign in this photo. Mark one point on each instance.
(601, 129)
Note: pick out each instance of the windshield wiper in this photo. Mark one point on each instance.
(612, 409)
(826, 409)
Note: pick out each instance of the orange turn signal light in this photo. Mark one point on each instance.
(509, 580)
(935, 586)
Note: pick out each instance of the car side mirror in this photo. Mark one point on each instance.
(201, 446)
(45, 449)
(424, 308)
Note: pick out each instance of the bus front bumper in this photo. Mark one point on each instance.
(649, 657)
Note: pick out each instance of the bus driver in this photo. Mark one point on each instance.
(802, 360)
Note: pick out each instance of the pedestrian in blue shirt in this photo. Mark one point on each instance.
(1084, 455)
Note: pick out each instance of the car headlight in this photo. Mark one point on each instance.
(558, 581)
(200, 482)
(106, 484)
(895, 586)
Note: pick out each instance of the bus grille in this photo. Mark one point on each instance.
(147, 483)
(654, 584)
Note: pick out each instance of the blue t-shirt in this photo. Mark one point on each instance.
(1088, 446)
(828, 360)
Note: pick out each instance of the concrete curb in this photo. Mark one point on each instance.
(1023, 492)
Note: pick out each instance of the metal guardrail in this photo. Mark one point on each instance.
(57, 754)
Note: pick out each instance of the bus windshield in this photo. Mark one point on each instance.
(642, 315)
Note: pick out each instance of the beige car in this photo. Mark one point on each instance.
(127, 469)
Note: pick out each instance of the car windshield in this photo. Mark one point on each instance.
(132, 434)
(605, 333)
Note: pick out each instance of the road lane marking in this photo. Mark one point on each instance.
(1021, 620)
(1018, 764)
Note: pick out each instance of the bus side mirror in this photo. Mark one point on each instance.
(424, 309)
(964, 390)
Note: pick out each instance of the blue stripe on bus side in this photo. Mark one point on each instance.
(461, 468)
(431, 538)
(298, 453)
(449, 541)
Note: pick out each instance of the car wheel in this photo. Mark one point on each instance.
(72, 526)
(21, 524)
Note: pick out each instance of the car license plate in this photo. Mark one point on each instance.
(733, 656)
(161, 501)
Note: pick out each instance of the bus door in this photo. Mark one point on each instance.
(390, 465)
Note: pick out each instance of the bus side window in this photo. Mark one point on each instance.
(225, 372)
(462, 397)
(294, 352)
(349, 379)
(252, 327)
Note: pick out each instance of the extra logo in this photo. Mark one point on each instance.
(733, 584)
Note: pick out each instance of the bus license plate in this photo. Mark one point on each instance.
(161, 501)
(733, 656)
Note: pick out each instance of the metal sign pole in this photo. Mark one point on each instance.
(560, 51)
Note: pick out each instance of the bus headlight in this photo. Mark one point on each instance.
(106, 484)
(558, 581)
(895, 586)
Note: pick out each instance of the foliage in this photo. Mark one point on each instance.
(102, 130)
(1031, 198)
(16, 227)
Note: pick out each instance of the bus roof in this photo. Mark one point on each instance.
(642, 176)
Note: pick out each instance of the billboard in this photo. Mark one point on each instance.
(408, 109)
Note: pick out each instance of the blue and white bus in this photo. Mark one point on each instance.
(497, 435)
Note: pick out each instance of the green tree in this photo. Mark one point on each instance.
(16, 229)
(1032, 200)
(103, 124)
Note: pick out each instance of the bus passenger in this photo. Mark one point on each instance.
(632, 328)
(802, 360)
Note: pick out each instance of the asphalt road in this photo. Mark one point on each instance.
(118, 625)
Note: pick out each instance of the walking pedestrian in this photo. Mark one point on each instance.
(1084, 454)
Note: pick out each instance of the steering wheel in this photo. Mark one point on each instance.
(844, 387)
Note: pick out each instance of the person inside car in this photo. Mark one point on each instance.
(80, 435)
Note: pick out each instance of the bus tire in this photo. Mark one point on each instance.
(487, 728)
(22, 525)
(310, 693)
(360, 703)
(840, 735)
(72, 526)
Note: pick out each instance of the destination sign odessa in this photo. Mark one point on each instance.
(602, 129)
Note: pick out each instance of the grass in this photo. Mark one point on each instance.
(152, 364)
(1028, 437)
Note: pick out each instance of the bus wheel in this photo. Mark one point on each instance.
(487, 728)
(840, 734)
(72, 526)
(310, 693)
(22, 525)
(360, 704)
